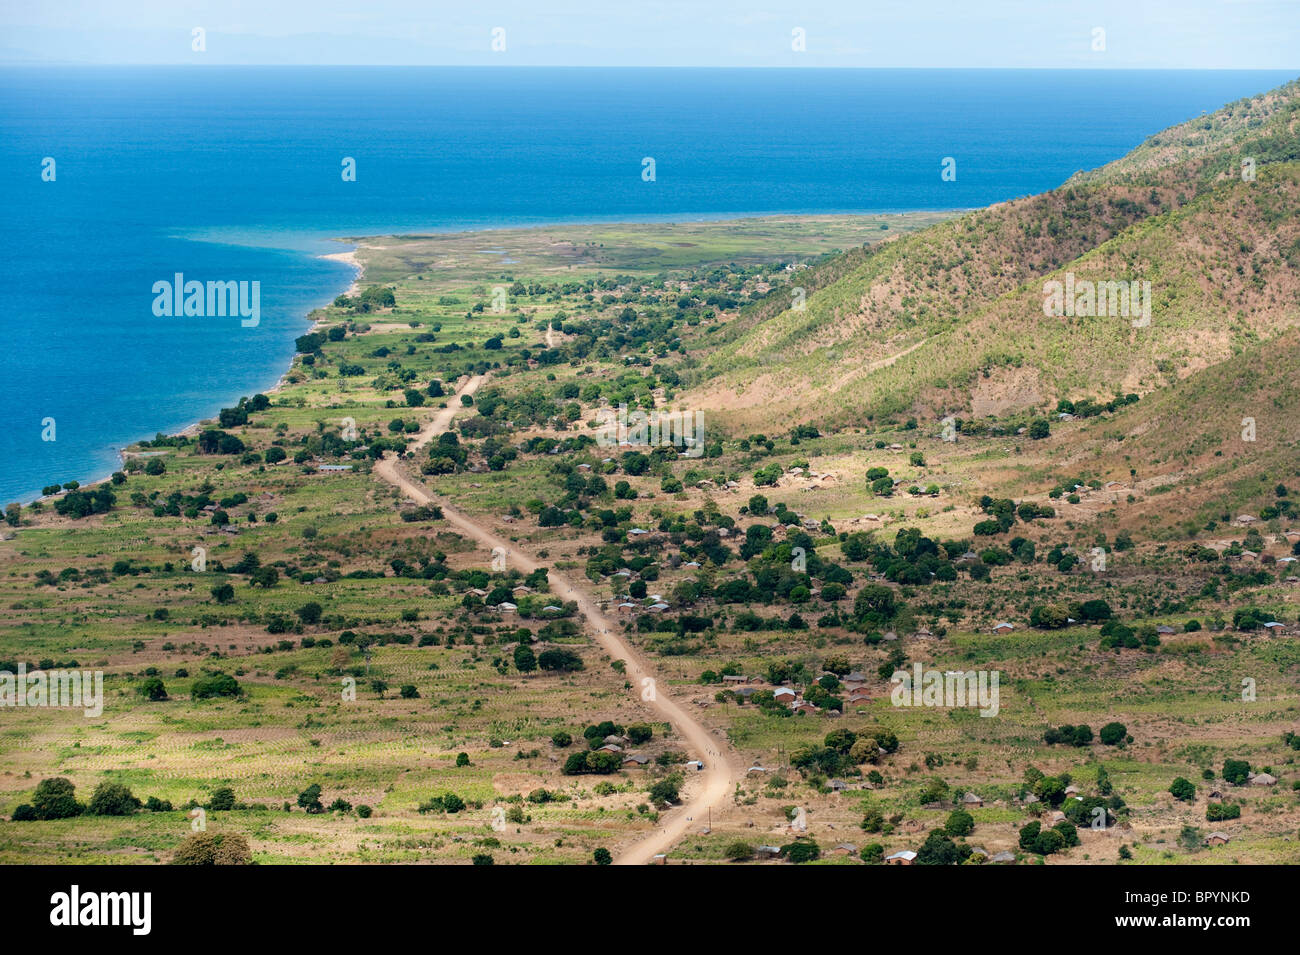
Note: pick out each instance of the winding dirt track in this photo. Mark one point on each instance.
(706, 789)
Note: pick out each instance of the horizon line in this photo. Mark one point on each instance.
(625, 66)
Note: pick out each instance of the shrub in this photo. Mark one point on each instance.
(214, 848)
(112, 799)
(56, 799)
(220, 684)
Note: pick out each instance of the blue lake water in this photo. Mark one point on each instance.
(234, 174)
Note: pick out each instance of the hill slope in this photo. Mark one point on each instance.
(951, 319)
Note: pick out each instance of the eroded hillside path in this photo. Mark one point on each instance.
(707, 789)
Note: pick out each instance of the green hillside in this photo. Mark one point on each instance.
(951, 319)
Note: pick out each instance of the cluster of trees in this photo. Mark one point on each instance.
(843, 750)
(592, 761)
(1003, 513)
(57, 799)
(445, 803)
(77, 503)
(1087, 408)
(216, 685)
(1117, 636)
(1034, 838)
(369, 299)
(1054, 616)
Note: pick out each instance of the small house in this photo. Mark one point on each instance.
(1003, 627)
(1217, 839)
(905, 857)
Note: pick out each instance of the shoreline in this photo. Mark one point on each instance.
(349, 257)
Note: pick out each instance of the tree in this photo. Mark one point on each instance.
(939, 849)
(602, 856)
(1095, 610)
(873, 853)
(936, 790)
(462, 759)
(112, 799)
(223, 800)
(1236, 771)
(56, 799)
(309, 799)
(1048, 842)
(214, 848)
(1051, 616)
(1029, 835)
(559, 660)
(310, 613)
(264, 577)
(223, 593)
(666, 792)
(639, 733)
(1039, 429)
(1112, 734)
(525, 659)
(800, 851)
(1069, 835)
(875, 604)
(960, 823)
(739, 851)
(152, 689)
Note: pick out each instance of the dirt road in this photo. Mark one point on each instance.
(706, 789)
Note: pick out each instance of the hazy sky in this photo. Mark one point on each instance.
(1235, 34)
